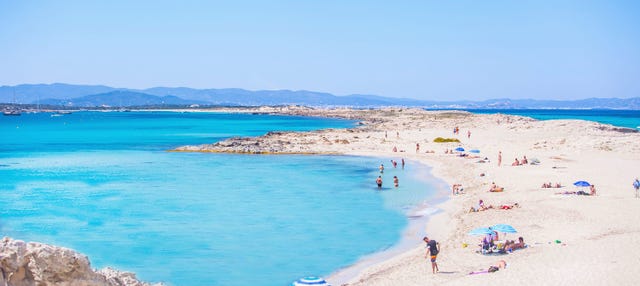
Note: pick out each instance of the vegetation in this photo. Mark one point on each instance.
(445, 140)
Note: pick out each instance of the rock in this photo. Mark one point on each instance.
(31, 264)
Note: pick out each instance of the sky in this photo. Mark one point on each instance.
(430, 50)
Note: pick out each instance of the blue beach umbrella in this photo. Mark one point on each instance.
(504, 228)
(581, 184)
(311, 280)
(481, 231)
(459, 149)
(474, 151)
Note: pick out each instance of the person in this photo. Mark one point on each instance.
(487, 242)
(433, 248)
(508, 207)
(592, 190)
(402, 163)
(381, 168)
(395, 181)
(457, 189)
(511, 245)
(499, 158)
(417, 147)
(469, 134)
(394, 163)
(493, 268)
(481, 207)
(516, 163)
(395, 149)
(495, 188)
(636, 185)
(524, 160)
(379, 182)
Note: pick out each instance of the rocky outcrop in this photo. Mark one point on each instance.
(37, 264)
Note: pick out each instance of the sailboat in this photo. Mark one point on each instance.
(12, 111)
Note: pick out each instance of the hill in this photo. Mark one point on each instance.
(98, 95)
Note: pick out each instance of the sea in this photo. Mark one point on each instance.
(104, 184)
(620, 118)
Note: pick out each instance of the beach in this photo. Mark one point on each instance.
(571, 238)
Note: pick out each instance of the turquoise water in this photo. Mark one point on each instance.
(621, 118)
(102, 184)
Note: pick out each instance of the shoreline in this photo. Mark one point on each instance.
(581, 235)
(585, 228)
(417, 218)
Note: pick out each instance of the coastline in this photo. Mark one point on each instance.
(566, 230)
(591, 232)
(417, 218)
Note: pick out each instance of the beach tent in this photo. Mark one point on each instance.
(310, 280)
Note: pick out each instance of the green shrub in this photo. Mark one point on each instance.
(445, 140)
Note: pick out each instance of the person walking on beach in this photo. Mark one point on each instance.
(433, 248)
(499, 158)
(379, 182)
(636, 185)
(417, 147)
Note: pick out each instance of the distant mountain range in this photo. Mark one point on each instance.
(83, 96)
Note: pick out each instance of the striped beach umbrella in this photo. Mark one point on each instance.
(310, 280)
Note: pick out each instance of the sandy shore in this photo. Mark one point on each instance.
(587, 240)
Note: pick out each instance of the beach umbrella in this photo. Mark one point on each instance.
(581, 184)
(310, 280)
(474, 151)
(459, 149)
(504, 228)
(481, 231)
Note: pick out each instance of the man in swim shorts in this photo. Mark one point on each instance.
(433, 248)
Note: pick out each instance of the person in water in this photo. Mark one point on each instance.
(379, 182)
(395, 181)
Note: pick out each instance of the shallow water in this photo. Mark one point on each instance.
(621, 118)
(101, 183)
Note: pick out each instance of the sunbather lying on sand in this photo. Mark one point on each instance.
(493, 268)
(481, 207)
(508, 207)
(549, 185)
(495, 188)
(511, 245)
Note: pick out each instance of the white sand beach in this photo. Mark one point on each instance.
(572, 239)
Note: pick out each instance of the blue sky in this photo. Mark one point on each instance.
(439, 50)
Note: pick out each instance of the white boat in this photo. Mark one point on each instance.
(11, 112)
